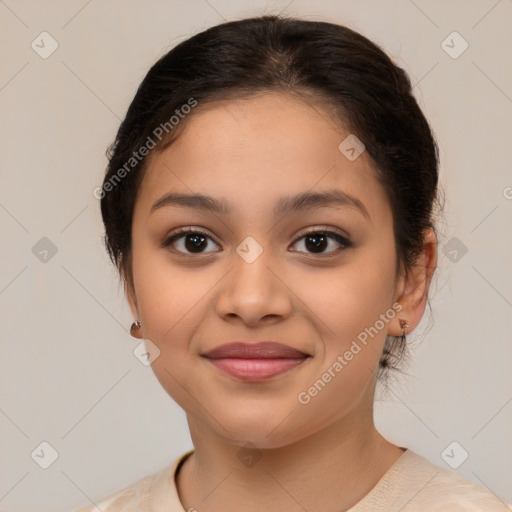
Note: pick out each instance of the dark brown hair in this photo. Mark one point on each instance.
(325, 62)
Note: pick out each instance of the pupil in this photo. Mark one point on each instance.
(195, 246)
(319, 242)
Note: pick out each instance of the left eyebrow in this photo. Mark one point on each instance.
(310, 201)
(285, 205)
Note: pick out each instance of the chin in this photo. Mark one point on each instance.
(267, 431)
(258, 440)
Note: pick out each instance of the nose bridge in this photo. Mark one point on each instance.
(253, 289)
(250, 265)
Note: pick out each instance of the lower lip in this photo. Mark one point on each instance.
(255, 369)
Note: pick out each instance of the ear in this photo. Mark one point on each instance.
(413, 285)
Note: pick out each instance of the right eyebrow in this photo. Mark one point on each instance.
(196, 201)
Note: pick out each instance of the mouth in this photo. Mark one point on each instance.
(255, 361)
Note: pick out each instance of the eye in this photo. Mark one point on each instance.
(193, 240)
(318, 240)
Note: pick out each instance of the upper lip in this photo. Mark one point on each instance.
(260, 350)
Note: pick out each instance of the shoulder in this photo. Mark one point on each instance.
(140, 495)
(445, 490)
(134, 497)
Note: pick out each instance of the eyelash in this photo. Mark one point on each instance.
(345, 242)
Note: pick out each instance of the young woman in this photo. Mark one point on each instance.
(269, 203)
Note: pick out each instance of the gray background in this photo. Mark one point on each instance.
(68, 373)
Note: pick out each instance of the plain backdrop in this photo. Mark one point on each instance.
(69, 377)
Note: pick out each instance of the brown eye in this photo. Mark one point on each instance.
(317, 242)
(189, 241)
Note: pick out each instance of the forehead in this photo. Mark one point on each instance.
(258, 149)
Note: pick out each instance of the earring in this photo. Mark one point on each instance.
(404, 325)
(134, 326)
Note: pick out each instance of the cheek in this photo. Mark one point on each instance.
(173, 302)
(169, 299)
(347, 303)
(350, 297)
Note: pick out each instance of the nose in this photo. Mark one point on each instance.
(254, 292)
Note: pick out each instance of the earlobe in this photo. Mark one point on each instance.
(414, 285)
(129, 292)
(135, 330)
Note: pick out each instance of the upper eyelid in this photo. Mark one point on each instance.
(193, 230)
(320, 229)
(324, 229)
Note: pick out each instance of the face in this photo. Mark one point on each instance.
(258, 272)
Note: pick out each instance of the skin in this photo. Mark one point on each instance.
(326, 455)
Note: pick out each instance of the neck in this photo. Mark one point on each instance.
(330, 470)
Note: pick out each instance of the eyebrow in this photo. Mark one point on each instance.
(304, 201)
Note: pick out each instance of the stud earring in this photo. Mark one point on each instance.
(134, 326)
(403, 325)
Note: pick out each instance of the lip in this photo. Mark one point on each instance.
(260, 350)
(255, 361)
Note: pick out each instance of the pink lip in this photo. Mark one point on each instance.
(257, 361)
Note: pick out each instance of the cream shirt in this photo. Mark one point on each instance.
(411, 484)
